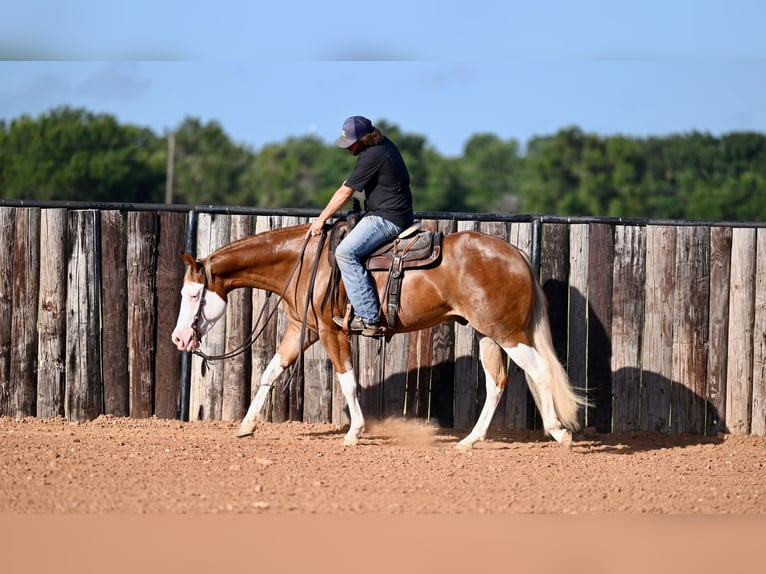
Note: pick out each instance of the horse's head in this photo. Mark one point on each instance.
(201, 305)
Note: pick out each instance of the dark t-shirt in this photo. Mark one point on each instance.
(380, 171)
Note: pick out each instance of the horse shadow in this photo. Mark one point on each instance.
(632, 409)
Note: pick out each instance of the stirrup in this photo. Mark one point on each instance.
(374, 330)
(345, 321)
(358, 326)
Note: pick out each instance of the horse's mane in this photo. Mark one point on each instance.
(273, 235)
(272, 238)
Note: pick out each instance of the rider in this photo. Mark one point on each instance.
(382, 174)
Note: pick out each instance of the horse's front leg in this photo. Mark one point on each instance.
(275, 368)
(285, 356)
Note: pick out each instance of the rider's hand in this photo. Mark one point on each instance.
(316, 228)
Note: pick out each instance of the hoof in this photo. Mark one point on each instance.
(464, 445)
(562, 436)
(246, 428)
(351, 438)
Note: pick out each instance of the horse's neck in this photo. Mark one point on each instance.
(262, 261)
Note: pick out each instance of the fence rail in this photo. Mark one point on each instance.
(662, 324)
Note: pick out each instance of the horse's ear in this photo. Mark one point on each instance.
(189, 260)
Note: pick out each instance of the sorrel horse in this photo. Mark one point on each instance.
(481, 280)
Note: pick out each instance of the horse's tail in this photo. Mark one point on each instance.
(566, 402)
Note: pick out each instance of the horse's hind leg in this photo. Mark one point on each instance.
(493, 363)
(348, 386)
(337, 346)
(541, 385)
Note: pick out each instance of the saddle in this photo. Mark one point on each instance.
(413, 248)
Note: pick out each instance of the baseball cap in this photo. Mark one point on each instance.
(354, 128)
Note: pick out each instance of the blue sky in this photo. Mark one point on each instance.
(444, 69)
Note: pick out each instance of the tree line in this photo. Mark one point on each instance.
(76, 155)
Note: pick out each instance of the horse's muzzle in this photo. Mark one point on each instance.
(183, 344)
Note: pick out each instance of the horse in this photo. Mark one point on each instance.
(480, 280)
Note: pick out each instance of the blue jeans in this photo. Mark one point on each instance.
(371, 232)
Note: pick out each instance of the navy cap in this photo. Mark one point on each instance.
(354, 128)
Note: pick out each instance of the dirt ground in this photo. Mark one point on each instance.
(116, 465)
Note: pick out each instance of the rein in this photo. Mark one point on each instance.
(309, 297)
(256, 332)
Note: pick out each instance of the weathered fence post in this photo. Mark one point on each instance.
(720, 278)
(7, 233)
(758, 426)
(26, 285)
(600, 261)
(84, 390)
(739, 375)
(51, 379)
(627, 324)
(690, 329)
(657, 353)
(170, 273)
(142, 232)
(114, 314)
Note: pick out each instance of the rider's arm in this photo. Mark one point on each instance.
(338, 200)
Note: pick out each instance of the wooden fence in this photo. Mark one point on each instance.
(662, 325)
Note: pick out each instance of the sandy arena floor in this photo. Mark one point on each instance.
(114, 465)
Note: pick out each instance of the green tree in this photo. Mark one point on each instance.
(303, 172)
(437, 183)
(208, 166)
(444, 189)
(71, 154)
(489, 170)
(551, 181)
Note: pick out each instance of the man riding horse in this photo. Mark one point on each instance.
(382, 174)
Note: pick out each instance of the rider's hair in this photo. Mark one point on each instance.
(375, 137)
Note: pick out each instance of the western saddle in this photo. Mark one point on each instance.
(413, 248)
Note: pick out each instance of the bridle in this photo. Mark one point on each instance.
(196, 335)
